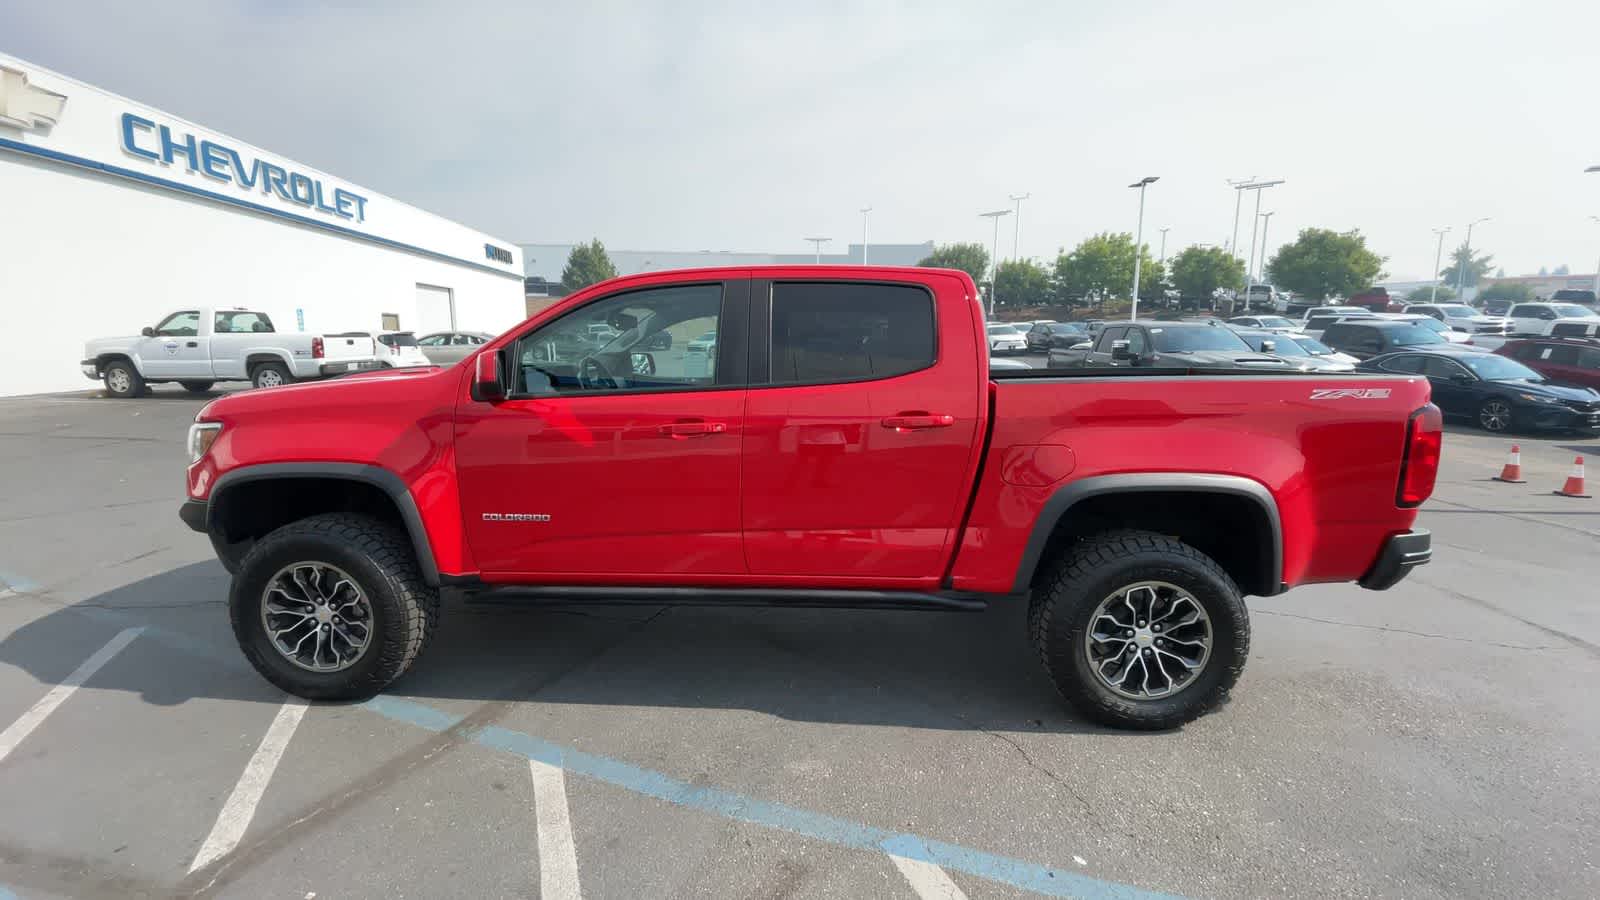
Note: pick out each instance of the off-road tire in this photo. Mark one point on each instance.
(197, 387)
(379, 557)
(282, 371)
(135, 382)
(1076, 581)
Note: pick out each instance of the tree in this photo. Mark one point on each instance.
(1562, 269)
(1198, 272)
(1022, 282)
(1425, 294)
(969, 258)
(1101, 267)
(587, 264)
(1477, 266)
(1323, 263)
(1514, 292)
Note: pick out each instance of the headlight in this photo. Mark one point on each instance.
(1535, 398)
(201, 436)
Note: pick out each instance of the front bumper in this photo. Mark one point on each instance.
(1401, 553)
(90, 369)
(194, 514)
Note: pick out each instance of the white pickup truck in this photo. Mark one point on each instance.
(200, 347)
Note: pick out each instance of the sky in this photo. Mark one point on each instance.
(734, 126)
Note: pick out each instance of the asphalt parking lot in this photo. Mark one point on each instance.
(1436, 740)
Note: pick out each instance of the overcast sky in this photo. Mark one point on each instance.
(686, 125)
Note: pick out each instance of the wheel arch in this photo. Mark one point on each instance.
(256, 358)
(1167, 502)
(305, 488)
(101, 360)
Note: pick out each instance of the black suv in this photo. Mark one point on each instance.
(1366, 338)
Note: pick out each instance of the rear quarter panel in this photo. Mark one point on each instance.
(1333, 464)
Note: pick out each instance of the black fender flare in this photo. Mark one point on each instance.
(377, 476)
(1061, 502)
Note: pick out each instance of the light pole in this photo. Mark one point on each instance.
(1596, 220)
(1238, 198)
(1438, 254)
(1250, 266)
(1465, 260)
(1164, 229)
(994, 254)
(1016, 224)
(818, 242)
(1138, 242)
(1266, 219)
(864, 211)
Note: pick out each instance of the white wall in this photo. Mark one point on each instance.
(87, 254)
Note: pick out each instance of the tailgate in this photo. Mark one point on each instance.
(350, 345)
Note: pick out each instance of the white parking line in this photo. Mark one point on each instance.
(558, 856)
(241, 806)
(928, 880)
(24, 726)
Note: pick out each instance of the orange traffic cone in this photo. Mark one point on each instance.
(1574, 485)
(1512, 473)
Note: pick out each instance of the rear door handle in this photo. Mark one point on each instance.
(689, 429)
(909, 421)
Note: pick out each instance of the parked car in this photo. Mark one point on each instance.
(446, 348)
(1286, 348)
(1540, 318)
(1269, 323)
(1497, 393)
(1041, 338)
(1316, 311)
(398, 350)
(1432, 324)
(1576, 328)
(1260, 298)
(853, 455)
(1366, 338)
(1181, 345)
(199, 347)
(1574, 295)
(1574, 362)
(1373, 299)
(1320, 350)
(1497, 307)
(1461, 317)
(1004, 338)
(1316, 325)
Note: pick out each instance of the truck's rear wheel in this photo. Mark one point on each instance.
(1138, 630)
(270, 375)
(122, 380)
(332, 607)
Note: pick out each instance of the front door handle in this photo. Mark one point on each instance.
(192, 344)
(690, 429)
(910, 421)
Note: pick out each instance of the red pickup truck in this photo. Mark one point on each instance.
(806, 436)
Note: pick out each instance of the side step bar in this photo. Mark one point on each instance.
(583, 595)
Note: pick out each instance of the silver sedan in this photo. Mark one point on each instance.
(446, 348)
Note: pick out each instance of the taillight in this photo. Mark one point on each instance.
(1419, 467)
(316, 348)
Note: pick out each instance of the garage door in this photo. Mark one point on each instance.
(436, 310)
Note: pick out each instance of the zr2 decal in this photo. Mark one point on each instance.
(1349, 393)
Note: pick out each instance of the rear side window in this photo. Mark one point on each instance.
(824, 332)
(1524, 311)
(1571, 329)
(1409, 365)
(1589, 358)
(402, 339)
(1562, 355)
(1109, 337)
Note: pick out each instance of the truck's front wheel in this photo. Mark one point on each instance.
(1138, 630)
(332, 607)
(123, 380)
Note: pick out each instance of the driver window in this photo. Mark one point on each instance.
(659, 338)
(1433, 367)
(180, 324)
(1136, 344)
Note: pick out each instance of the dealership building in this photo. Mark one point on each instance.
(115, 214)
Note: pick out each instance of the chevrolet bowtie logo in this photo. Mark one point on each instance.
(23, 105)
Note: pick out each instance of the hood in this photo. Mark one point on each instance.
(376, 385)
(113, 341)
(1553, 391)
(1223, 359)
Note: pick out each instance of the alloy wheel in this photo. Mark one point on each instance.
(317, 617)
(1148, 640)
(1495, 415)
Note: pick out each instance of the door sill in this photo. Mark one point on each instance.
(834, 598)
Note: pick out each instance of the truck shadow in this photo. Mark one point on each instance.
(946, 671)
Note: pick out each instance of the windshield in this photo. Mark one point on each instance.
(1065, 328)
(1281, 346)
(1411, 334)
(1430, 323)
(1313, 346)
(1457, 311)
(1002, 329)
(1498, 368)
(400, 339)
(1184, 340)
(1275, 322)
(1574, 311)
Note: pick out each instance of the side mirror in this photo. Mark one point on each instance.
(147, 331)
(642, 363)
(488, 378)
(1268, 346)
(1120, 350)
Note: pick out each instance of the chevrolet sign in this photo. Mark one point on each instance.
(27, 106)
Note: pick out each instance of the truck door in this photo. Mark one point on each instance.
(610, 461)
(861, 428)
(177, 351)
